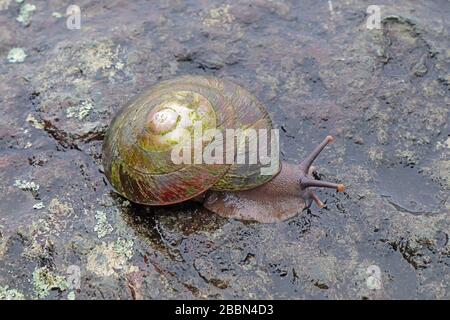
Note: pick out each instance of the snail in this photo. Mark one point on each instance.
(138, 153)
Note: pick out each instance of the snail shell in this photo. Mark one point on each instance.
(138, 144)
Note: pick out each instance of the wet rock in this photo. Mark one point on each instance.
(383, 93)
(108, 258)
(208, 271)
(321, 271)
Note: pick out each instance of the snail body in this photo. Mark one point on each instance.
(138, 153)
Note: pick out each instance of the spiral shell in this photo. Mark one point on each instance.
(138, 144)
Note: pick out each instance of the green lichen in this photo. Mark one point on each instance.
(26, 185)
(103, 228)
(39, 205)
(124, 247)
(71, 295)
(16, 55)
(101, 57)
(45, 280)
(107, 259)
(60, 208)
(81, 111)
(219, 16)
(10, 294)
(57, 15)
(34, 122)
(26, 11)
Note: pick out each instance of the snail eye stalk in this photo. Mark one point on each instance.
(307, 181)
(313, 155)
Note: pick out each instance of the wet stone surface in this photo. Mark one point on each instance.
(383, 93)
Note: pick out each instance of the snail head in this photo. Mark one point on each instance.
(307, 181)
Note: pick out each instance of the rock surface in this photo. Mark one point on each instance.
(384, 94)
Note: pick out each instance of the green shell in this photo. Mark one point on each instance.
(138, 160)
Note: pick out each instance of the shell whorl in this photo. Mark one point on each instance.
(163, 121)
(138, 144)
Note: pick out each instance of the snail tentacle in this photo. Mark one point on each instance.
(305, 183)
(316, 199)
(306, 164)
(307, 179)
